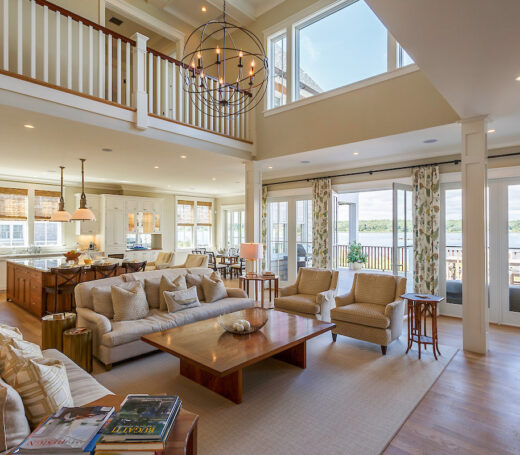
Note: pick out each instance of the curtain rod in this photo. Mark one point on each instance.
(375, 171)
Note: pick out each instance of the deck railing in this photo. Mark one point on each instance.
(378, 257)
(47, 44)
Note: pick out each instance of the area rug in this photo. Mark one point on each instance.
(349, 400)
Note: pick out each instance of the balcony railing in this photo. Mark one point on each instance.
(378, 257)
(44, 43)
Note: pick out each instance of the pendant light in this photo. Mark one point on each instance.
(83, 213)
(61, 215)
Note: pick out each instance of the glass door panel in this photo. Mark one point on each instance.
(453, 247)
(511, 313)
(402, 224)
(277, 239)
(303, 234)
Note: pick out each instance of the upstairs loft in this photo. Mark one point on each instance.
(53, 55)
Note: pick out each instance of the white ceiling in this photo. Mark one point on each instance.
(241, 12)
(55, 141)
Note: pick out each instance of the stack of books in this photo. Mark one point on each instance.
(68, 432)
(141, 427)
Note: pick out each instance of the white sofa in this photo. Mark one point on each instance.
(83, 387)
(117, 341)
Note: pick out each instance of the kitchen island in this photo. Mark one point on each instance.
(28, 278)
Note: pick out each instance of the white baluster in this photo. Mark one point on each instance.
(33, 39)
(6, 35)
(20, 37)
(158, 86)
(187, 105)
(174, 88)
(211, 125)
(101, 64)
(128, 100)
(199, 103)
(118, 71)
(243, 119)
(58, 48)
(90, 60)
(109, 69)
(45, 44)
(69, 52)
(80, 57)
(180, 92)
(166, 93)
(150, 82)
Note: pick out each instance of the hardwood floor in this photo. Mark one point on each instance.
(473, 408)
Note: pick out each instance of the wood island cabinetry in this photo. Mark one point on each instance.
(25, 288)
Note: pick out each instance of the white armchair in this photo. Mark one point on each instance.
(193, 261)
(312, 295)
(163, 260)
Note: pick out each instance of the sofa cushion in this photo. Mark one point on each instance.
(181, 300)
(368, 314)
(83, 387)
(300, 303)
(15, 353)
(44, 388)
(314, 281)
(213, 287)
(374, 288)
(131, 304)
(102, 299)
(166, 284)
(14, 427)
(195, 280)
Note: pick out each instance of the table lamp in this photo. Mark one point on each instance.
(251, 252)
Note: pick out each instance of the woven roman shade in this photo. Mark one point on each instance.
(13, 204)
(45, 204)
(204, 217)
(185, 215)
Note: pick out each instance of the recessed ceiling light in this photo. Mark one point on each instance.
(491, 131)
(517, 78)
(305, 162)
(156, 167)
(203, 9)
(430, 141)
(356, 153)
(29, 126)
(106, 149)
(214, 179)
(269, 167)
(183, 157)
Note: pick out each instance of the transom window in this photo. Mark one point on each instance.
(194, 224)
(278, 70)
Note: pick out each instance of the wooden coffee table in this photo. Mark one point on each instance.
(214, 358)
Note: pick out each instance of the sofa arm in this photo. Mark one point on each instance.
(164, 266)
(395, 312)
(237, 293)
(347, 299)
(101, 324)
(181, 266)
(288, 290)
(325, 300)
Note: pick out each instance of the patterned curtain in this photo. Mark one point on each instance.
(426, 196)
(321, 194)
(264, 225)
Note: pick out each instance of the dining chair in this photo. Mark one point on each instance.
(132, 267)
(105, 271)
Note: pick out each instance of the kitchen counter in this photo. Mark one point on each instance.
(8, 256)
(41, 264)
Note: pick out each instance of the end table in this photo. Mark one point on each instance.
(419, 306)
(77, 346)
(53, 326)
(259, 280)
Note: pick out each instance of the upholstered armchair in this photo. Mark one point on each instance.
(192, 261)
(372, 311)
(312, 295)
(163, 260)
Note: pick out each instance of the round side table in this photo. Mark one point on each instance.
(53, 326)
(77, 346)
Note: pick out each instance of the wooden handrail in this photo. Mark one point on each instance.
(83, 20)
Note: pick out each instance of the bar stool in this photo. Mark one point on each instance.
(132, 267)
(65, 281)
(104, 271)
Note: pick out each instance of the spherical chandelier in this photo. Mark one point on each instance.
(221, 78)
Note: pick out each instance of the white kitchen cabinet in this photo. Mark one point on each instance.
(90, 227)
(132, 205)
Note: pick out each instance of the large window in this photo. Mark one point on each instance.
(13, 217)
(235, 228)
(277, 239)
(194, 224)
(278, 71)
(13, 233)
(341, 46)
(46, 233)
(402, 57)
(303, 233)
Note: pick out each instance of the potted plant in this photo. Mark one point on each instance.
(356, 257)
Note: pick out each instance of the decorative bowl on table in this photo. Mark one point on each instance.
(243, 322)
(72, 255)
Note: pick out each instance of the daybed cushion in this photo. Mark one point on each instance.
(14, 427)
(14, 353)
(368, 314)
(299, 303)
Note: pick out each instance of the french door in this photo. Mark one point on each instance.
(402, 231)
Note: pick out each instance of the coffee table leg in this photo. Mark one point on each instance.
(295, 355)
(229, 386)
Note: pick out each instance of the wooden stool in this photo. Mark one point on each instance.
(65, 281)
(77, 346)
(53, 326)
(131, 267)
(104, 271)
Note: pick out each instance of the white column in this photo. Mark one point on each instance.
(139, 95)
(475, 322)
(253, 201)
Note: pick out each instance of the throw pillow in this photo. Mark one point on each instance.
(102, 298)
(14, 427)
(151, 288)
(168, 285)
(129, 305)
(181, 300)
(44, 387)
(15, 353)
(196, 280)
(7, 333)
(214, 288)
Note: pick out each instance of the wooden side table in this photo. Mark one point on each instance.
(259, 280)
(419, 307)
(77, 346)
(53, 326)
